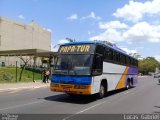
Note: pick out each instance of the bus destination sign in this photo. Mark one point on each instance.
(86, 48)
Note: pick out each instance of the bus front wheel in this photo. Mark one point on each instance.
(101, 93)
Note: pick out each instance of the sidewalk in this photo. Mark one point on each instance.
(144, 76)
(17, 86)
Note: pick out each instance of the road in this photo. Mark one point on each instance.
(144, 98)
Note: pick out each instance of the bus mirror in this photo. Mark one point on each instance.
(94, 72)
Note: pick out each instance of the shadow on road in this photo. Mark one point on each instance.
(68, 99)
(79, 99)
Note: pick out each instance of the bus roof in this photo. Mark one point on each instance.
(114, 47)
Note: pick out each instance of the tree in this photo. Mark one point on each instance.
(24, 65)
(148, 65)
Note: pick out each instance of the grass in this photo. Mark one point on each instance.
(8, 75)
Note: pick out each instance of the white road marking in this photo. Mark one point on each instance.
(83, 110)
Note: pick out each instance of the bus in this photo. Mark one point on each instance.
(92, 67)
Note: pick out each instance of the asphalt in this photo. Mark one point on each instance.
(142, 99)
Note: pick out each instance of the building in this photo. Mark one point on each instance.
(15, 35)
(19, 36)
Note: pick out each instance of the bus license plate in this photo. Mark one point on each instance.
(66, 89)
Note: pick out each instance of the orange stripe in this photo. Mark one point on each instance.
(122, 82)
(86, 91)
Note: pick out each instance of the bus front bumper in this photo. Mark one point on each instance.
(71, 88)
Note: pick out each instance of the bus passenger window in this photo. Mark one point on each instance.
(108, 54)
(122, 59)
(128, 61)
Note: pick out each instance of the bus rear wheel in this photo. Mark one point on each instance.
(129, 83)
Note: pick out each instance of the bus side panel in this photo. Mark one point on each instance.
(112, 73)
(116, 74)
(123, 79)
(96, 81)
(133, 73)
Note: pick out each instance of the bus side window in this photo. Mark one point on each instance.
(122, 59)
(116, 57)
(132, 62)
(108, 54)
(128, 61)
(97, 65)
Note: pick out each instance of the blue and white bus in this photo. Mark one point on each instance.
(92, 67)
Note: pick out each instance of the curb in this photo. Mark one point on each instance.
(143, 76)
(20, 88)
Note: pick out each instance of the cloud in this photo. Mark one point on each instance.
(128, 51)
(92, 15)
(21, 17)
(134, 11)
(139, 32)
(132, 52)
(111, 35)
(112, 25)
(73, 17)
(143, 32)
(157, 57)
(63, 41)
(48, 29)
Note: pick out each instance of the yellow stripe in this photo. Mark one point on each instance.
(122, 82)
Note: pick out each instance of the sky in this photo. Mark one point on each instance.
(133, 25)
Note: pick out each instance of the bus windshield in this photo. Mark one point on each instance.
(75, 64)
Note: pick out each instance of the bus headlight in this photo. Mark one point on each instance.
(54, 85)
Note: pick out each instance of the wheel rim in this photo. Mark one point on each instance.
(101, 91)
(127, 86)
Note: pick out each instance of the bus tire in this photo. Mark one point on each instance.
(101, 93)
(129, 84)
